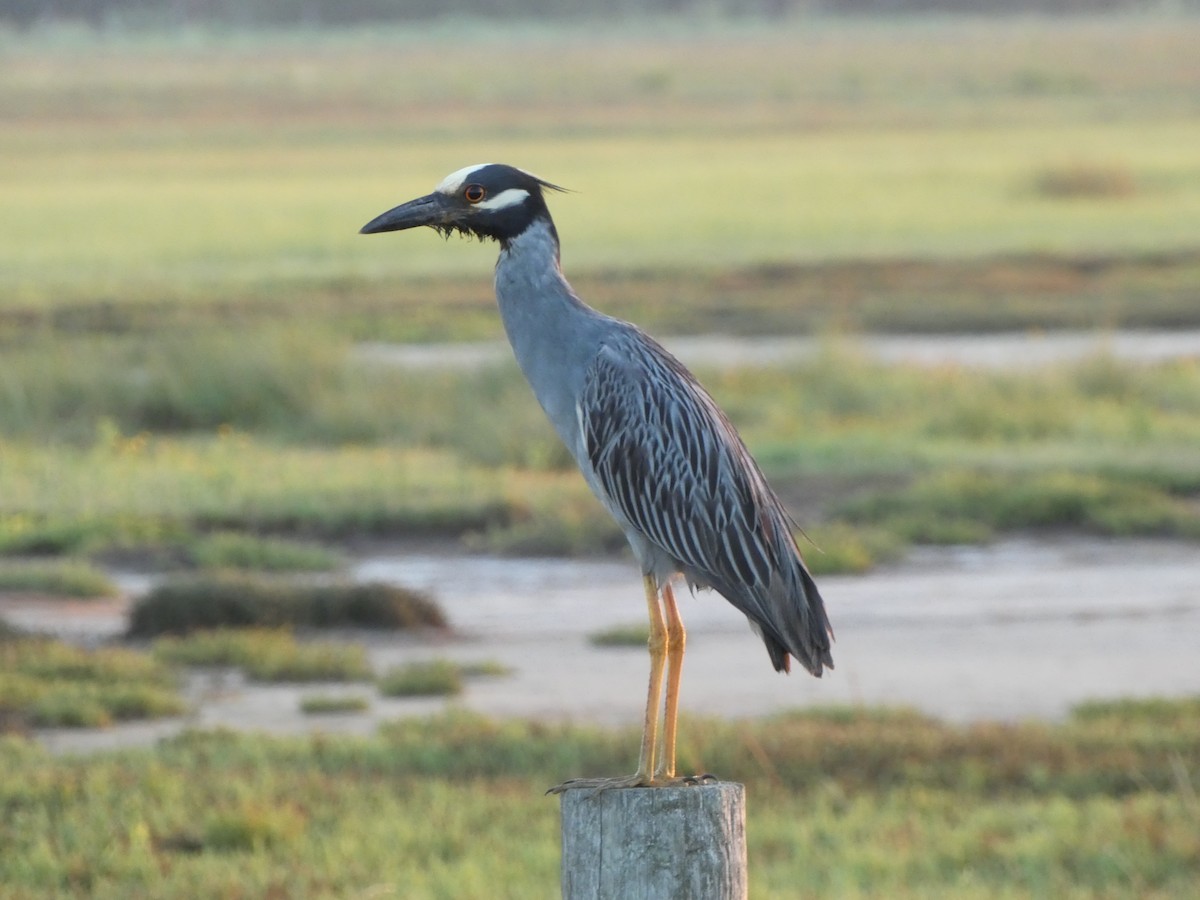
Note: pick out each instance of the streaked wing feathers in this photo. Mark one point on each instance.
(671, 462)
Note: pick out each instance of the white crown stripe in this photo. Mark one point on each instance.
(455, 180)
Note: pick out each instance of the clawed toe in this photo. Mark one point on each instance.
(602, 784)
(597, 785)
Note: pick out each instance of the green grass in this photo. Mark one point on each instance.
(945, 507)
(959, 191)
(252, 828)
(436, 678)
(214, 177)
(841, 802)
(267, 655)
(869, 457)
(484, 668)
(55, 578)
(633, 635)
(838, 547)
(46, 683)
(233, 550)
(328, 704)
(181, 384)
(67, 499)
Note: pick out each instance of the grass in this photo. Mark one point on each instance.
(234, 550)
(1039, 289)
(239, 600)
(972, 202)
(186, 387)
(945, 507)
(868, 456)
(839, 547)
(484, 668)
(966, 110)
(251, 828)
(436, 678)
(47, 684)
(183, 376)
(253, 484)
(634, 635)
(1101, 805)
(55, 578)
(267, 655)
(333, 704)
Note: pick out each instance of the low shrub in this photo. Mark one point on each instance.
(228, 600)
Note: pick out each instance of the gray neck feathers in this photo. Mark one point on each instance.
(553, 333)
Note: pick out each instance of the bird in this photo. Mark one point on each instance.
(649, 440)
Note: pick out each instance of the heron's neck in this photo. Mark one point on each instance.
(553, 333)
(541, 312)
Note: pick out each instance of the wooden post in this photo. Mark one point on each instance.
(670, 843)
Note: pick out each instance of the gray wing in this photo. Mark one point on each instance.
(674, 466)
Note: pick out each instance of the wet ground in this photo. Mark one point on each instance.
(1022, 628)
(1020, 349)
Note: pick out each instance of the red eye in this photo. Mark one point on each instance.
(474, 193)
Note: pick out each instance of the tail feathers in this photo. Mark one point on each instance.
(797, 626)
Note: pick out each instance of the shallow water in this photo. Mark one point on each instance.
(1021, 628)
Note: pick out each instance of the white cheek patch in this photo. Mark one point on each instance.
(504, 199)
(455, 180)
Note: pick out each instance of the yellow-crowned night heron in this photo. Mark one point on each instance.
(650, 441)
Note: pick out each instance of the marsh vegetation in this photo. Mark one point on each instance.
(851, 802)
(182, 293)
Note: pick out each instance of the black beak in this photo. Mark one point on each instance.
(432, 210)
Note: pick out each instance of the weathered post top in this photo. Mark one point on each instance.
(667, 843)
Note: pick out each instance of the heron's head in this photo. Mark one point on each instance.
(486, 201)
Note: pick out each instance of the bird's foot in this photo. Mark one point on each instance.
(696, 780)
(637, 780)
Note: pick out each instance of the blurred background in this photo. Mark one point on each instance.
(939, 261)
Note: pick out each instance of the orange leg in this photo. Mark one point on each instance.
(651, 749)
(658, 656)
(676, 643)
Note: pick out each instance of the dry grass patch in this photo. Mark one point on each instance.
(1082, 180)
